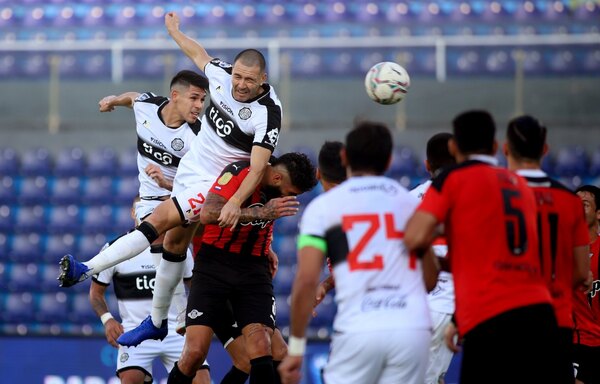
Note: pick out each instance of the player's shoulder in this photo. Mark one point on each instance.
(150, 98)
(236, 167)
(222, 66)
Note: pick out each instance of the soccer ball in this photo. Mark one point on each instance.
(387, 82)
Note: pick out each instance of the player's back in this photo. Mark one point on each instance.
(492, 240)
(378, 285)
(561, 228)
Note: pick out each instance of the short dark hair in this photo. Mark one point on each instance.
(302, 171)
(251, 57)
(369, 147)
(593, 190)
(330, 162)
(474, 132)
(187, 78)
(526, 137)
(437, 151)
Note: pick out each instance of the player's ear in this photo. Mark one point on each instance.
(427, 166)
(343, 157)
(452, 147)
(318, 174)
(495, 147)
(505, 149)
(545, 149)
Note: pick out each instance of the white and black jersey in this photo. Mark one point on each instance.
(229, 128)
(157, 143)
(133, 281)
(378, 284)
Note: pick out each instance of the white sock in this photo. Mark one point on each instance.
(126, 247)
(168, 276)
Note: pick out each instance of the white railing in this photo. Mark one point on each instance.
(274, 46)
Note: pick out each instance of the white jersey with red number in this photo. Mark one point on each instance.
(229, 128)
(133, 282)
(157, 143)
(378, 285)
(441, 298)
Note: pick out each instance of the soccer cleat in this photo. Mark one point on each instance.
(145, 331)
(72, 271)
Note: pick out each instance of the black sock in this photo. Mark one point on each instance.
(177, 377)
(275, 366)
(261, 370)
(235, 376)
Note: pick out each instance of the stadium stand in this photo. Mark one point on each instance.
(34, 237)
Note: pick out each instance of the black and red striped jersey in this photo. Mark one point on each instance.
(251, 238)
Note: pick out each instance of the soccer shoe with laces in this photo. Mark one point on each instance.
(72, 271)
(145, 331)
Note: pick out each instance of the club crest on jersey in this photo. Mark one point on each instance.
(220, 63)
(226, 178)
(177, 144)
(245, 113)
(124, 357)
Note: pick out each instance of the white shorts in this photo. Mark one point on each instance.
(144, 208)
(142, 356)
(439, 354)
(379, 357)
(189, 200)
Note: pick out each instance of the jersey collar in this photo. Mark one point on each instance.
(484, 159)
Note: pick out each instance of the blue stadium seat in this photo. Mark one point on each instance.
(98, 190)
(404, 162)
(8, 190)
(283, 310)
(47, 277)
(89, 246)
(571, 161)
(101, 162)
(64, 219)
(128, 163)
(4, 275)
(126, 190)
(9, 162)
(282, 284)
(30, 219)
(33, 190)
(122, 221)
(288, 225)
(7, 219)
(4, 244)
(17, 307)
(97, 219)
(594, 169)
(81, 309)
(22, 277)
(57, 245)
(326, 311)
(70, 162)
(52, 307)
(26, 248)
(65, 190)
(36, 162)
(285, 246)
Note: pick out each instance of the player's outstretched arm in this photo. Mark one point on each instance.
(189, 46)
(108, 103)
(274, 209)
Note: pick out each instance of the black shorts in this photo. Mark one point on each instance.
(242, 280)
(517, 346)
(586, 363)
(226, 327)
